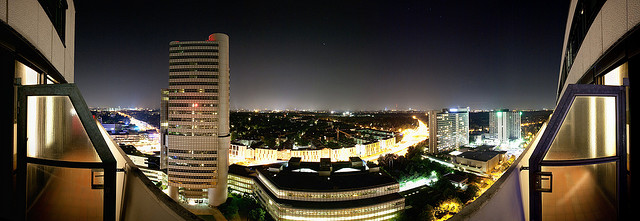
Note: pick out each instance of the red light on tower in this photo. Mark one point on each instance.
(212, 37)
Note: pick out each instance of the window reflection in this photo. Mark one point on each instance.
(588, 131)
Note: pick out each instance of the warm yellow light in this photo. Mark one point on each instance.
(613, 77)
(32, 126)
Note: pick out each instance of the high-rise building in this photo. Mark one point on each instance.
(448, 129)
(504, 125)
(197, 137)
(164, 126)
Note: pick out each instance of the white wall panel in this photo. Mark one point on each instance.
(592, 44)
(3, 10)
(22, 17)
(614, 16)
(633, 11)
(45, 32)
(29, 19)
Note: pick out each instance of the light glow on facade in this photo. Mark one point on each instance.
(365, 216)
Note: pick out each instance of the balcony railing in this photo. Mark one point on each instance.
(574, 169)
(68, 168)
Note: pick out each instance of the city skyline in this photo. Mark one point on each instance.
(73, 162)
(333, 56)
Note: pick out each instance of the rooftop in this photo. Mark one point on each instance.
(334, 204)
(482, 155)
(456, 178)
(345, 175)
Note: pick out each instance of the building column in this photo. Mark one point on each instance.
(218, 195)
(173, 193)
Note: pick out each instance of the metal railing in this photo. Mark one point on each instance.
(68, 166)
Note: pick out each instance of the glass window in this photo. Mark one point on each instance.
(585, 12)
(59, 192)
(615, 76)
(588, 130)
(581, 193)
(54, 131)
(26, 75)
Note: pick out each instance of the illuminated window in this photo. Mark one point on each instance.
(26, 75)
(615, 76)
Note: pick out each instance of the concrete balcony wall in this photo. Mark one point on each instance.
(144, 201)
(508, 198)
(137, 197)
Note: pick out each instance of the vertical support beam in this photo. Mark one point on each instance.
(20, 194)
(7, 71)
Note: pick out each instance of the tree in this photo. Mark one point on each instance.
(269, 141)
(257, 214)
(469, 193)
(444, 188)
(246, 204)
(229, 208)
(449, 206)
(427, 213)
(234, 135)
(414, 152)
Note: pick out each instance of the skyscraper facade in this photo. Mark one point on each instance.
(197, 135)
(164, 126)
(504, 125)
(448, 129)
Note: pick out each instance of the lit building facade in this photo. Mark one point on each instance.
(164, 126)
(197, 135)
(239, 152)
(483, 162)
(346, 190)
(504, 125)
(448, 129)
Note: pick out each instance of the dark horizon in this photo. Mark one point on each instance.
(356, 55)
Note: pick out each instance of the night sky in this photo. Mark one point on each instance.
(331, 55)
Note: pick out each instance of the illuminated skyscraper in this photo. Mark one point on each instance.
(448, 129)
(504, 125)
(198, 120)
(164, 126)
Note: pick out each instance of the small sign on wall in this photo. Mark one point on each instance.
(97, 178)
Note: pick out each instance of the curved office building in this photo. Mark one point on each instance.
(198, 119)
(346, 190)
(579, 165)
